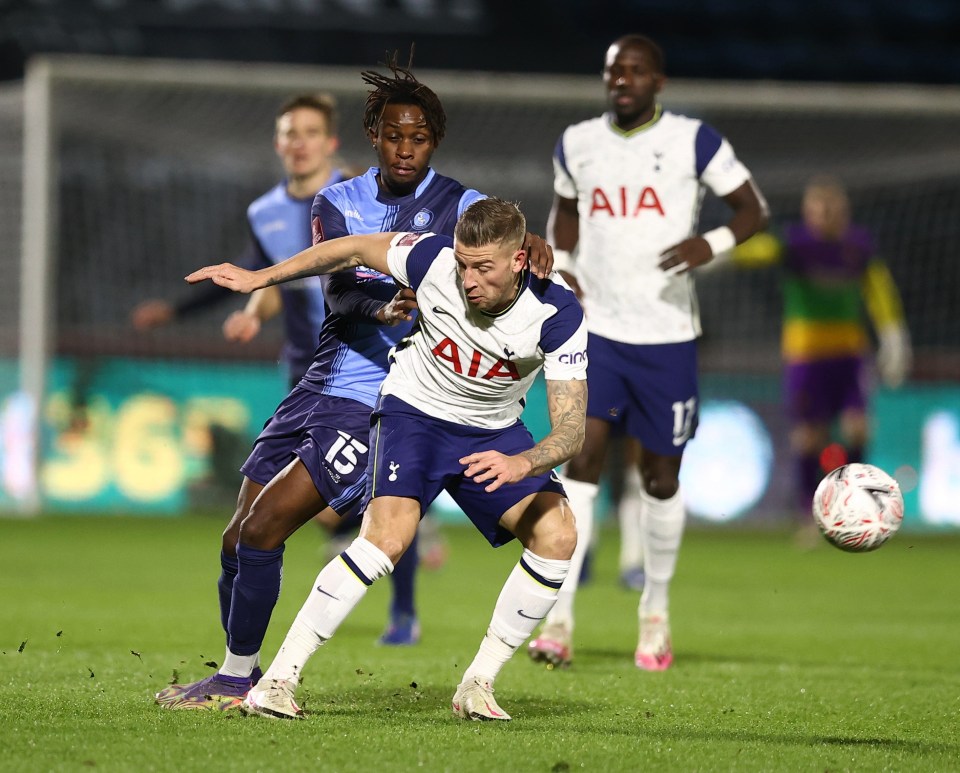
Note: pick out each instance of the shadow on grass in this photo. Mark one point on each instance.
(885, 744)
(621, 656)
(404, 703)
(431, 705)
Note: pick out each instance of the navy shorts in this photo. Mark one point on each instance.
(417, 456)
(648, 391)
(330, 435)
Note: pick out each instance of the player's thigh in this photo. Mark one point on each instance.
(287, 502)
(816, 392)
(609, 390)
(334, 449)
(488, 509)
(664, 408)
(588, 465)
(544, 524)
(412, 453)
(328, 519)
(322, 443)
(660, 473)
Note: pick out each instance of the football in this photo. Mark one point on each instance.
(858, 507)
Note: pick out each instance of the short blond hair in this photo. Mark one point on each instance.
(491, 221)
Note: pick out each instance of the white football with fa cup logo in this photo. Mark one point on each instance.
(858, 507)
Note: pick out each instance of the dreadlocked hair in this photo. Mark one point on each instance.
(402, 88)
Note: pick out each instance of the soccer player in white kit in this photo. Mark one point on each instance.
(448, 418)
(628, 188)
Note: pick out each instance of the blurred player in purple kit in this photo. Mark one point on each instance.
(448, 418)
(628, 187)
(830, 273)
(312, 454)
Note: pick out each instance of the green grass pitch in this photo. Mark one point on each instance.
(785, 660)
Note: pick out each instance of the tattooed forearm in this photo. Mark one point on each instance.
(567, 403)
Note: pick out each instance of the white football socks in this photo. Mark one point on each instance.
(337, 590)
(527, 596)
(239, 665)
(628, 515)
(582, 498)
(662, 523)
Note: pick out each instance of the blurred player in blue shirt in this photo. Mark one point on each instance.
(306, 142)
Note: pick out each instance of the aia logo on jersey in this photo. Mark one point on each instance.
(621, 202)
(422, 219)
(474, 362)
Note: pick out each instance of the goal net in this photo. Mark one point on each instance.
(135, 172)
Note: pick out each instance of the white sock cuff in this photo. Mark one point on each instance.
(632, 482)
(657, 506)
(372, 562)
(580, 487)
(553, 570)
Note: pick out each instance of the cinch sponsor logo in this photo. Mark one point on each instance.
(475, 363)
(573, 359)
(623, 203)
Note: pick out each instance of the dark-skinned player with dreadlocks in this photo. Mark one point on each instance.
(313, 450)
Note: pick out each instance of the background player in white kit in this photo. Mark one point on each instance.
(628, 187)
(448, 418)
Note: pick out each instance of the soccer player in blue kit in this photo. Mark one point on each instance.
(311, 455)
(448, 418)
(305, 140)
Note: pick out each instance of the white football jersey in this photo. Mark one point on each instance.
(638, 193)
(470, 367)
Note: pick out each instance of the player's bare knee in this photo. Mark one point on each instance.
(230, 537)
(392, 546)
(259, 531)
(554, 536)
(660, 475)
(565, 540)
(661, 486)
(585, 467)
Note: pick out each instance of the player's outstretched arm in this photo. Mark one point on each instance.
(335, 255)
